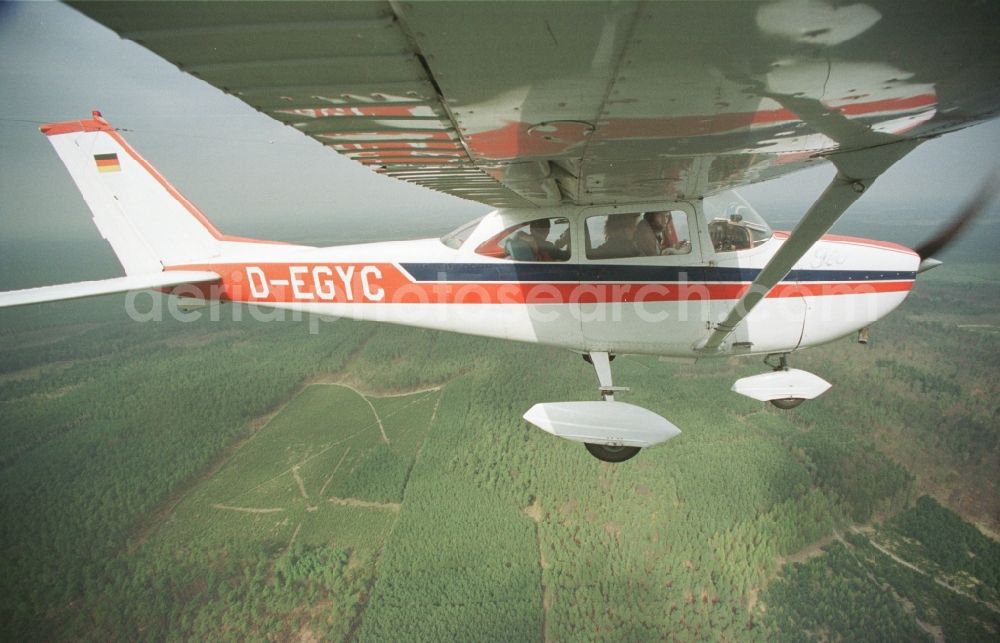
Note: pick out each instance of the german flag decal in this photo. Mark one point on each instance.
(107, 162)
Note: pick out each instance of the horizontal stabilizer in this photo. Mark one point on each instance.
(104, 287)
(606, 423)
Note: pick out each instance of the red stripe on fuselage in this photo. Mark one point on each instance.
(383, 283)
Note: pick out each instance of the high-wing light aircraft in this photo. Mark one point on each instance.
(608, 135)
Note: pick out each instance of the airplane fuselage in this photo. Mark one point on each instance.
(661, 305)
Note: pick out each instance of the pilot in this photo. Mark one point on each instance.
(672, 243)
(656, 235)
(535, 246)
(649, 233)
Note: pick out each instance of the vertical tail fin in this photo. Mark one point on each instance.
(148, 223)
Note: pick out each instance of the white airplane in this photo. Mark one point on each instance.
(608, 135)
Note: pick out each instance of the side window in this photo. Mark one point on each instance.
(545, 239)
(638, 234)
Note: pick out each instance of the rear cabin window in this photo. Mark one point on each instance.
(624, 235)
(545, 239)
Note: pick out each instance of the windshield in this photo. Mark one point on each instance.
(733, 224)
(459, 235)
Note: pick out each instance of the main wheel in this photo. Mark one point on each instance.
(611, 454)
(788, 402)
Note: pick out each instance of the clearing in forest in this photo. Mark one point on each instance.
(319, 473)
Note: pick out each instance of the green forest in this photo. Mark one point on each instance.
(223, 480)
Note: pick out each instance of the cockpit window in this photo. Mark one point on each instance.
(637, 234)
(546, 239)
(461, 234)
(733, 224)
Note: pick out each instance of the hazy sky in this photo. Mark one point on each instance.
(247, 172)
(253, 176)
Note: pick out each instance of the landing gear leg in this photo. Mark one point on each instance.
(607, 453)
(784, 403)
(782, 364)
(602, 364)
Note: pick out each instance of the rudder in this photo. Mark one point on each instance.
(148, 223)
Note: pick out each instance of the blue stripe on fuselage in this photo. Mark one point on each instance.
(566, 272)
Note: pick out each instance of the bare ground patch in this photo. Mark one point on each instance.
(534, 510)
(301, 484)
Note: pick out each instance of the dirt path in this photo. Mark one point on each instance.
(936, 632)
(381, 427)
(315, 455)
(434, 415)
(937, 580)
(376, 393)
(249, 510)
(896, 558)
(300, 482)
(357, 502)
(294, 536)
(534, 511)
(334, 472)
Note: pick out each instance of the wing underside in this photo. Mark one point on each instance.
(538, 103)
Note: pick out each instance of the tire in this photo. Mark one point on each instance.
(611, 454)
(788, 402)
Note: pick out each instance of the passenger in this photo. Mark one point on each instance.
(535, 246)
(671, 243)
(619, 237)
(649, 233)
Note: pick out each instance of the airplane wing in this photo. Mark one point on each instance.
(111, 286)
(530, 104)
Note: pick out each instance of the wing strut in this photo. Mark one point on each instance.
(856, 171)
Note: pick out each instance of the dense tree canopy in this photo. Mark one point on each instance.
(209, 480)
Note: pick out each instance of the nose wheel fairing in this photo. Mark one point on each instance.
(783, 387)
